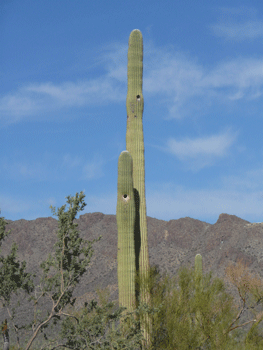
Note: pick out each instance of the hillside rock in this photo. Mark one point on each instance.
(171, 244)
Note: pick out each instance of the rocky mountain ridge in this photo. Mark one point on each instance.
(171, 244)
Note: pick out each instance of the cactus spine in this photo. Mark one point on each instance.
(125, 222)
(135, 146)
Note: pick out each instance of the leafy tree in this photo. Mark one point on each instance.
(250, 290)
(67, 263)
(12, 277)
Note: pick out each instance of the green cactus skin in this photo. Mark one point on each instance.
(198, 270)
(198, 280)
(135, 146)
(125, 222)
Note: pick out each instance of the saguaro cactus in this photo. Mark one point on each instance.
(198, 281)
(198, 271)
(135, 146)
(125, 223)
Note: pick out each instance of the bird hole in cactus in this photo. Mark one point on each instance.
(125, 197)
(138, 98)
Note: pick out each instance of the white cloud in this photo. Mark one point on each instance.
(239, 73)
(170, 78)
(215, 145)
(184, 86)
(18, 104)
(198, 153)
(79, 93)
(238, 23)
(49, 168)
(36, 99)
(239, 31)
(174, 76)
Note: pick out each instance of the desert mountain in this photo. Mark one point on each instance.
(171, 244)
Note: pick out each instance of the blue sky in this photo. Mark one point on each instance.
(63, 71)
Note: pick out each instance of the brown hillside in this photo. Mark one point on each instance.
(171, 244)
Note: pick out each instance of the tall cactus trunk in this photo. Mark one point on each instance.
(135, 146)
(198, 282)
(125, 222)
(198, 271)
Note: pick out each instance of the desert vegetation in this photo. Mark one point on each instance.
(188, 311)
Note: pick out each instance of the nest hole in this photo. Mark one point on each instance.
(125, 197)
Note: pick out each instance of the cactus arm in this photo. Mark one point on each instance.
(125, 215)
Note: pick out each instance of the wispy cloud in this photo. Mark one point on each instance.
(180, 83)
(238, 24)
(240, 77)
(215, 145)
(39, 98)
(17, 104)
(78, 93)
(50, 168)
(198, 153)
(239, 31)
